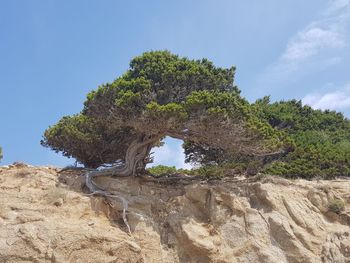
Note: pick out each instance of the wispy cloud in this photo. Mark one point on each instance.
(317, 46)
(311, 41)
(338, 99)
(336, 5)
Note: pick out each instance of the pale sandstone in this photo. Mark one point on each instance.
(46, 216)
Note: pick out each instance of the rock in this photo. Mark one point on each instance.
(274, 220)
(199, 237)
(58, 202)
(345, 218)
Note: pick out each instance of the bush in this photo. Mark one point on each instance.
(321, 138)
(162, 170)
(211, 171)
(208, 171)
(336, 205)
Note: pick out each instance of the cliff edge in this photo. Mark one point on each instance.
(46, 215)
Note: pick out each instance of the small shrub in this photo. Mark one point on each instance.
(162, 170)
(211, 171)
(184, 171)
(336, 205)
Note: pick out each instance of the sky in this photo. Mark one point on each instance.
(53, 52)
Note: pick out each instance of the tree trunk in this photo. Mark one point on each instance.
(135, 159)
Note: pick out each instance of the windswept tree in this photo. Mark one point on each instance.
(161, 95)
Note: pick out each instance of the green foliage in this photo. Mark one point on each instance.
(317, 143)
(203, 154)
(161, 77)
(231, 117)
(173, 78)
(211, 171)
(87, 140)
(162, 170)
(165, 117)
(207, 171)
(1, 153)
(321, 139)
(294, 117)
(162, 88)
(163, 94)
(336, 206)
(229, 102)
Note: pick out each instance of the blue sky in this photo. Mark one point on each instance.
(52, 53)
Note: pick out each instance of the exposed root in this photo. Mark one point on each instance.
(95, 190)
(136, 157)
(124, 202)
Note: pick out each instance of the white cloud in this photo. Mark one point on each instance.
(336, 5)
(317, 46)
(335, 100)
(311, 41)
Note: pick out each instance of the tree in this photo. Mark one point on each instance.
(319, 143)
(0, 153)
(321, 138)
(161, 95)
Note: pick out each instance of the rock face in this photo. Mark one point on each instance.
(46, 216)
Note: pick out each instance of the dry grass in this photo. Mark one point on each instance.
(23, 172)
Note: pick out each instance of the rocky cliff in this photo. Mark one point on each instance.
(47, 216)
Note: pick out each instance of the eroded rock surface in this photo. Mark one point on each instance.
(46, 216)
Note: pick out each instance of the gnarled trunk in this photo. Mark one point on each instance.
(135, 159)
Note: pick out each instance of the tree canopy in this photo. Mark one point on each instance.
(88, 140)
(161, 95)
(322, 139)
